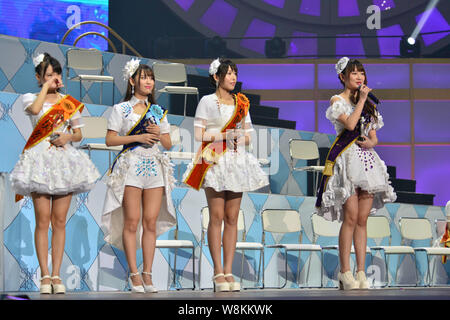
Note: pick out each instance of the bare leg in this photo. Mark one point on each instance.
(131, 215)
(216, 204)
(232, 206)
(346, 232)
(60, 206)
(365, 201)
(151, 204)
(42, 211)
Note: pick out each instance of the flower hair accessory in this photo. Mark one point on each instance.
(341, 64)
(130, 68)
(38, 59)
(214, 66)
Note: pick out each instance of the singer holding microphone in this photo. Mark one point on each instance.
(355, 182)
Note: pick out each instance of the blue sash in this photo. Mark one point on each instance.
(154, 114)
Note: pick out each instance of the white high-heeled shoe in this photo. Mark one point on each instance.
(347, 282)
(220, 286)
(45, 288)
(138, 288)
(58, 288)
(234, 286)
(149, 288)
(361, 278)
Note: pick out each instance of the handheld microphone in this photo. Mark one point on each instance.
(371, 96)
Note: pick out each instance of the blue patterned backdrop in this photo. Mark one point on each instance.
(90, 264)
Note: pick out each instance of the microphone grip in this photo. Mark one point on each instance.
(374, 99)
(371, 96)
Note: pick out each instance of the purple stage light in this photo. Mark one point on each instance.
(431, 121)
(398, 156)
(300, 111)
(310, 7)
(185, 4)
(348, 8)
(303, 46)
(435, 22)
(219, 17)
(327, 77)
(344, 46)
(258, 28)
(432, 76)
(275, 3)
(397, 121)
(387, 76)
(384, 4)
(432, 172)
(390, 46)
(324, 125)
(280, 76)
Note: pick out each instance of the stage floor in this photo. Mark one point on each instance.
(401, 293)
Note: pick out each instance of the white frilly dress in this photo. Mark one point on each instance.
(144, 167)
(354, 168)
(236, 170)
(46, 169)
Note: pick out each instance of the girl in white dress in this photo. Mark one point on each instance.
(52, 171)
(141, 179)
(235, 172)
(358, 183)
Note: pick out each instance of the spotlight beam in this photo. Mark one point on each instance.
(430, 6)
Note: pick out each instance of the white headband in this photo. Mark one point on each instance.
(38, 59)
(214, 66)
(341, 64)
(130, 68)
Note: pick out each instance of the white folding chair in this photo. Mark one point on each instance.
(420, 229)
(95, 128)
(174, 73)
(178, 244)
(88, 60)
(379, 227)
(240, 245)
(284, 221)
(325, 228)
(306, 150)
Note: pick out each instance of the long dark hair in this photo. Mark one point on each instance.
(137, 80)
(369, 107)
(42, 67)
(222, 71)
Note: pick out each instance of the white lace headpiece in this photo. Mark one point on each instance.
(38, 59)
(130, 68)
(341, 64)
(214, 66)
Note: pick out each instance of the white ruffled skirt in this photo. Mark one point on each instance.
(236, 171)
(112, 218)
(356, 168)
(46, 169)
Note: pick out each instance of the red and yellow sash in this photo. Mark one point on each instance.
(50, 121)
(210, 152)
(445, 241)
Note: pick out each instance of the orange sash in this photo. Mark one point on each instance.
(210, 152)
(446, 242)
(50, 121)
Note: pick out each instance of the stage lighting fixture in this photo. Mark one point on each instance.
(409, 49)
(163, 47)
(215, 47)
(275, 48)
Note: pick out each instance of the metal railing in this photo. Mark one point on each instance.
(125, 44)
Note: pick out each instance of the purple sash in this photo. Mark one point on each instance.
(340, 144)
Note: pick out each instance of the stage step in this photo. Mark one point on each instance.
(392, 171)
(264, 111)
(414, 198)
(404, 185)
(271, 122)
(254, 99)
